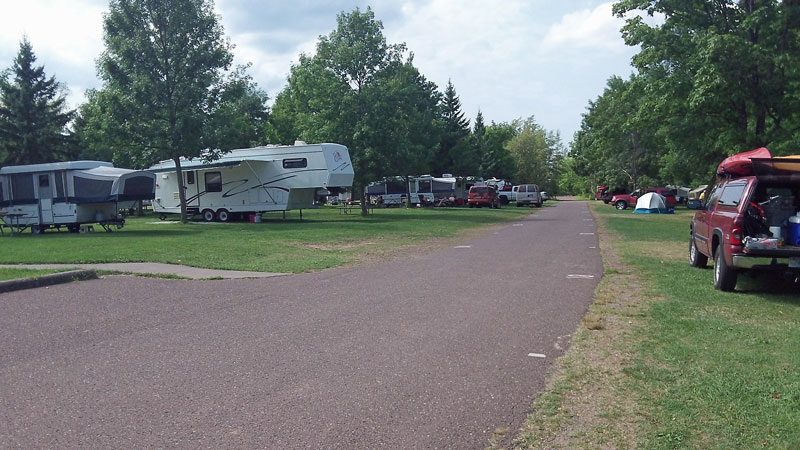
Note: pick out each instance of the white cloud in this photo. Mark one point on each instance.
(594, 28)
(66, 36)
(67, 30)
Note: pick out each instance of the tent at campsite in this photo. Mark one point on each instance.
(651, 203)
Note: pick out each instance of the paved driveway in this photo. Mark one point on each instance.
(432, 351)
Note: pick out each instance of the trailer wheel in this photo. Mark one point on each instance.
(223, 215)
(162, 216)
(208, 215)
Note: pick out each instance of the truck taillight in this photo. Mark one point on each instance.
(736, 236)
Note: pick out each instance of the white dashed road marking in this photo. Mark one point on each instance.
(580, 277)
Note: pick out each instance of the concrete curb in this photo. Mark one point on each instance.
(46, 280)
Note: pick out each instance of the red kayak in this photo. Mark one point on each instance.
(740, 165)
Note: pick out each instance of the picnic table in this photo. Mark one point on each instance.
(349, 207)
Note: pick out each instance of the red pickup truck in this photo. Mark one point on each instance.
(622, 201)
(749, 220)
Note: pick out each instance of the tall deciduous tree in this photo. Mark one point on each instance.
(534, 150)
(33, 113)
(497, 161)
(723, 74)
(162, 61)
(358, 91)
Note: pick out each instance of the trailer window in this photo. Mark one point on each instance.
(424, 186)
(44, 181)
(213, 181)
(91, 189)
(22, 187)
(295, 163)
(190, 177)
(59, 184)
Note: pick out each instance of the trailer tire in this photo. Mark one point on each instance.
(208, 215)
(223, 215)
(162, 216)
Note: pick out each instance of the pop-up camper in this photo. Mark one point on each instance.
(253, 180)
(70, 194)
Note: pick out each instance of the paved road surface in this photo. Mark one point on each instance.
(426, 352)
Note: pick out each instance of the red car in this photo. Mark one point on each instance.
(483, 196)
(622, 201)
(750, 219)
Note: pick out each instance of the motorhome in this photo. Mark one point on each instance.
(252, 180)
(69, 194)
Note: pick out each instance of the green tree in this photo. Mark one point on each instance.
(161, 67)
(534, 150)
(33, 113)
(617, 143)
(721, 76)
(477, 140)
(497, 160)
(358, 91)
(455, 154)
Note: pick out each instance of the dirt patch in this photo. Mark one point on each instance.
(588, 402)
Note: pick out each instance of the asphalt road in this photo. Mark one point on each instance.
(432, 351)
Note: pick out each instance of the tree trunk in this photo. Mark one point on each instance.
(364, 210)
(181, 188)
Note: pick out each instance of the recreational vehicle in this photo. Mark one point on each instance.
(435, 188)
(392, 191)
(252, 180)
(42, 196)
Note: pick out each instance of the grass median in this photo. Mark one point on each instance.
(324, 238)
(663, 360)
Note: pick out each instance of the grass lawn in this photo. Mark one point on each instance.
(322, 239)
(663, 360)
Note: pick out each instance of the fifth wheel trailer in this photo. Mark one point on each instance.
(253, 180)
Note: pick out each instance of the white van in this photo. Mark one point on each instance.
(528, 194)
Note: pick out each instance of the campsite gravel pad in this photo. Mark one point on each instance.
(432, 351)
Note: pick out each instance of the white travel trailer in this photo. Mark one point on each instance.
(253, 180)
(52, 195)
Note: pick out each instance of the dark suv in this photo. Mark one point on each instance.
(746, 222)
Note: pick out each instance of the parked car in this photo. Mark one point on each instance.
(479, 196)
(608, 194)
(529, 194)
(749, 221)
(545, 196)
(622, 201)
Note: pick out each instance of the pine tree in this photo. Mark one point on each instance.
(33, 113)
(478, 141)
(454, 155)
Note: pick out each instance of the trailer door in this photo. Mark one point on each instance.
(192, 189)
(45, 199)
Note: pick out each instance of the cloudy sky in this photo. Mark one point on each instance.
(507, 58)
